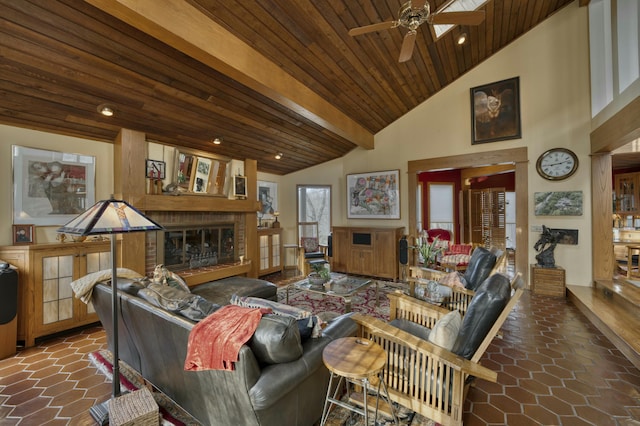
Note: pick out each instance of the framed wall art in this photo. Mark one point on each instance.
(374, 195)
(201, 176)
(495, 111)
(560, 203)
(268, 197)
(240, 186)
(50, 187)
(23, 234)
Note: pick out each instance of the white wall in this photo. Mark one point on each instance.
(553, 65)
(41, 140)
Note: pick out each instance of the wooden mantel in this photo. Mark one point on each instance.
(192, 203)
(130, 150)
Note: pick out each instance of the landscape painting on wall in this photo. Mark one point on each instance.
(374, 195)
(567, 203)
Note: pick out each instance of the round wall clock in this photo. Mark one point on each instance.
(557, 164)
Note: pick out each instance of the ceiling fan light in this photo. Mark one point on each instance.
(462, 38)
(279, 155)
(106, 110)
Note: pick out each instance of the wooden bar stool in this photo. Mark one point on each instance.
(355, 361)
(631, 249)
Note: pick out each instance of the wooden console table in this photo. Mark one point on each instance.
(548, 281)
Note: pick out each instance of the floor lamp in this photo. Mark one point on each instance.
(110, 217)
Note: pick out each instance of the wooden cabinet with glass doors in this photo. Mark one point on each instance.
(46, 303)
(627, 190)
(270, 247)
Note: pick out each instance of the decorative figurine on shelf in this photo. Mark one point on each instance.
(545, 246)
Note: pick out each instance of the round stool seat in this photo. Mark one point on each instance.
(354, 358)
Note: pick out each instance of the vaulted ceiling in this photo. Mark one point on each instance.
(267, 76)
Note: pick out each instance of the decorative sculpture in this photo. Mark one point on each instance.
(545, 246)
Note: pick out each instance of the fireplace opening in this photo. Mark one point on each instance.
(191, 247)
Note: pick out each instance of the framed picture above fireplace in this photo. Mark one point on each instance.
(199, 173)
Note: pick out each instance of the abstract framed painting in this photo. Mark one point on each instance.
(374, 195)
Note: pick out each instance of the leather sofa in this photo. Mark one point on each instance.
(154, 340)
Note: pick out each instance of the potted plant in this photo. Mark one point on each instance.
(429, 251)
(319, 275)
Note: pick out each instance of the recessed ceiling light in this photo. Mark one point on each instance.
(217, 141)
(462, 38)
(106, 110)
(279, 155)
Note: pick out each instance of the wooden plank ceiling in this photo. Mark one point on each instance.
(60, 59)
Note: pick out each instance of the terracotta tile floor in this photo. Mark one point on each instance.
(555, 368)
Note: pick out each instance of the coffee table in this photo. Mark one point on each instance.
(340, 285)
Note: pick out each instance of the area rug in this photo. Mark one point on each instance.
(327, 306)
(342, 417)
(130, 380)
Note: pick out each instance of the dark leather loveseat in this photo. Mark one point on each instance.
(154, 342)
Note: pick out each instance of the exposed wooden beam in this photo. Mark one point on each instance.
(187, 29)
(620, 129)
(582, 3)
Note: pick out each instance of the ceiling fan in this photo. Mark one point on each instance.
(414, 13)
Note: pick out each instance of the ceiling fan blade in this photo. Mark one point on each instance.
(407, 46)
(373, 27)
(417, 4)
(474, 17)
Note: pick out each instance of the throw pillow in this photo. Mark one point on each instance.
(276, 340)
(452, 279)
(174, 300)
(445, 331)
(306, 320)
(162, 275)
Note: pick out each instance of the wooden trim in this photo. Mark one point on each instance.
(614, 133)
(619, 130)
(463, 161)
(128, 163)
(602, 257)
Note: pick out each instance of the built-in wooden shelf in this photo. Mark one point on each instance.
(205, 274)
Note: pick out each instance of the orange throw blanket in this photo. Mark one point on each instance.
(214, 342)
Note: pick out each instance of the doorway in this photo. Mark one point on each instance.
(516, 157)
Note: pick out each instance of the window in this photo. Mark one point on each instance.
(314, 205)
(441, 210)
